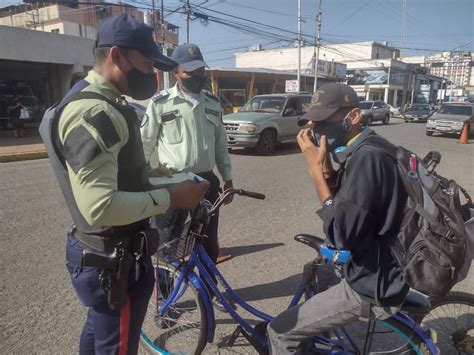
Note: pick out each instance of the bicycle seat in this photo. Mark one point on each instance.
(416, 303)
(310, 240)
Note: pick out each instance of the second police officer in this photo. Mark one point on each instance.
(185, 127)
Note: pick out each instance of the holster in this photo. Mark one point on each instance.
(115, 266)
(114, 273)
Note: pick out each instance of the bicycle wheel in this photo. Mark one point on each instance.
(452, 317)
(183, 328)
(388, 336)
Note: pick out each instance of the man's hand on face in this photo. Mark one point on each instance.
(315, 156)
(187, 194)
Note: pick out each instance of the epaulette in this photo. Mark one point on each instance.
(211, 95)
(160, 96)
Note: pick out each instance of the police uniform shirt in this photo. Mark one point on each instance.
(93, 171)
(189, 137)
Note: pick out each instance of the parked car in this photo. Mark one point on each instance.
(394, 111)
(266, 120)
(418, 113)
(373, 111)
(450, 119)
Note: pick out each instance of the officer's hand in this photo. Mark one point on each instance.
(187, 194)
(228, 185)
(159, 172)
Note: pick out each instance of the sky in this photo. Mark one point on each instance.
(431, 26)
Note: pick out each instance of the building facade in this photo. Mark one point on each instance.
(46, 48)
(372, 70)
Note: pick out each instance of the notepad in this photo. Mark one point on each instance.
(174, 179)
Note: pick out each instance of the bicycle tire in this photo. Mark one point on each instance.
(414, 341)
(172, 339)
(455, 334)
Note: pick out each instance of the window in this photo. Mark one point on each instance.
(305, 102)
(292, 104)
(55, 30)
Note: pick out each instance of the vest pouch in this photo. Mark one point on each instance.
(146, 242)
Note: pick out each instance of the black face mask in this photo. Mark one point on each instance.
(194, 83)
(141, 86)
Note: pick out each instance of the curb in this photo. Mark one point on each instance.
(21, 156)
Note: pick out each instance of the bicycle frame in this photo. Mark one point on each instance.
(204, 282)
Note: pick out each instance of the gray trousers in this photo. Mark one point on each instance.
(337, 306)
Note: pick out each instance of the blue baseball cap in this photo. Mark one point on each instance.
(189, 57)
(126, 32)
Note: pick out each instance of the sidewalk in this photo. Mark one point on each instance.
(24, 148)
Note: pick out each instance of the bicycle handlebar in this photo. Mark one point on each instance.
(250, 194)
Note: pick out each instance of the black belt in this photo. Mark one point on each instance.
(208, 175)
(102, 243)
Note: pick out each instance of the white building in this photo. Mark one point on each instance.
(287, 58)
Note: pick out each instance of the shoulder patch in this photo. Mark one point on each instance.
(160, 96)
(104, 126)
(80, 148)
(211, 95)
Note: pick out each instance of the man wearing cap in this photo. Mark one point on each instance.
(186, 129)
(363, 203)
(95, 147)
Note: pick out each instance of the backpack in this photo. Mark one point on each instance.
(433, 244)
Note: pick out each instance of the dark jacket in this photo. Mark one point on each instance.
(366, 213)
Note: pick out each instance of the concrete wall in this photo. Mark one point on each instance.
(34, 46)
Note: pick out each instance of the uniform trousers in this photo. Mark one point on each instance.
(106, 331)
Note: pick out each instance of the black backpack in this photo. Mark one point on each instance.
(431, 246)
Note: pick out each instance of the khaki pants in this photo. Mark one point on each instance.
(334, 307)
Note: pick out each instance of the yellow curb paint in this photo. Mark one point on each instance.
(21, 156)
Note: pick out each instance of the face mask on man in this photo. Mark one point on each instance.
(194, 83)
(335, 132)
(141, 86)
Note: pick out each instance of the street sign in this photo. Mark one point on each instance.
(291, 86)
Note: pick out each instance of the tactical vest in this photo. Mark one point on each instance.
(132, 169)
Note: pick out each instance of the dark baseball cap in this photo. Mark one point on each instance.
(126, 32)
(328, 99)
(189, 57)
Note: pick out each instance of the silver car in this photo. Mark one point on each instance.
(265, 121)
(450, 119)
(373, 111)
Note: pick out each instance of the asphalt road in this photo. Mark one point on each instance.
(39, 311)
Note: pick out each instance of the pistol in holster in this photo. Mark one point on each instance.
(114, 273)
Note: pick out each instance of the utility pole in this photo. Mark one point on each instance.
(402, 35)
(186, 10)
(298, 76)
(166, 78)
(155, 38)
(316, 48)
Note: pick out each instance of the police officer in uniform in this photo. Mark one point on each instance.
(95, 147)
(185, 127)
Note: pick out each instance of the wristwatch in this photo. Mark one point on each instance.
(329, 201)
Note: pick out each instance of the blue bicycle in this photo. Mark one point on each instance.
(183, 302)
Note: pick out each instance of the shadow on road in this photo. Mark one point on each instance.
(287, 287)
(249, 249)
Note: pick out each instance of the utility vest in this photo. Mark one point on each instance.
(132, 173)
